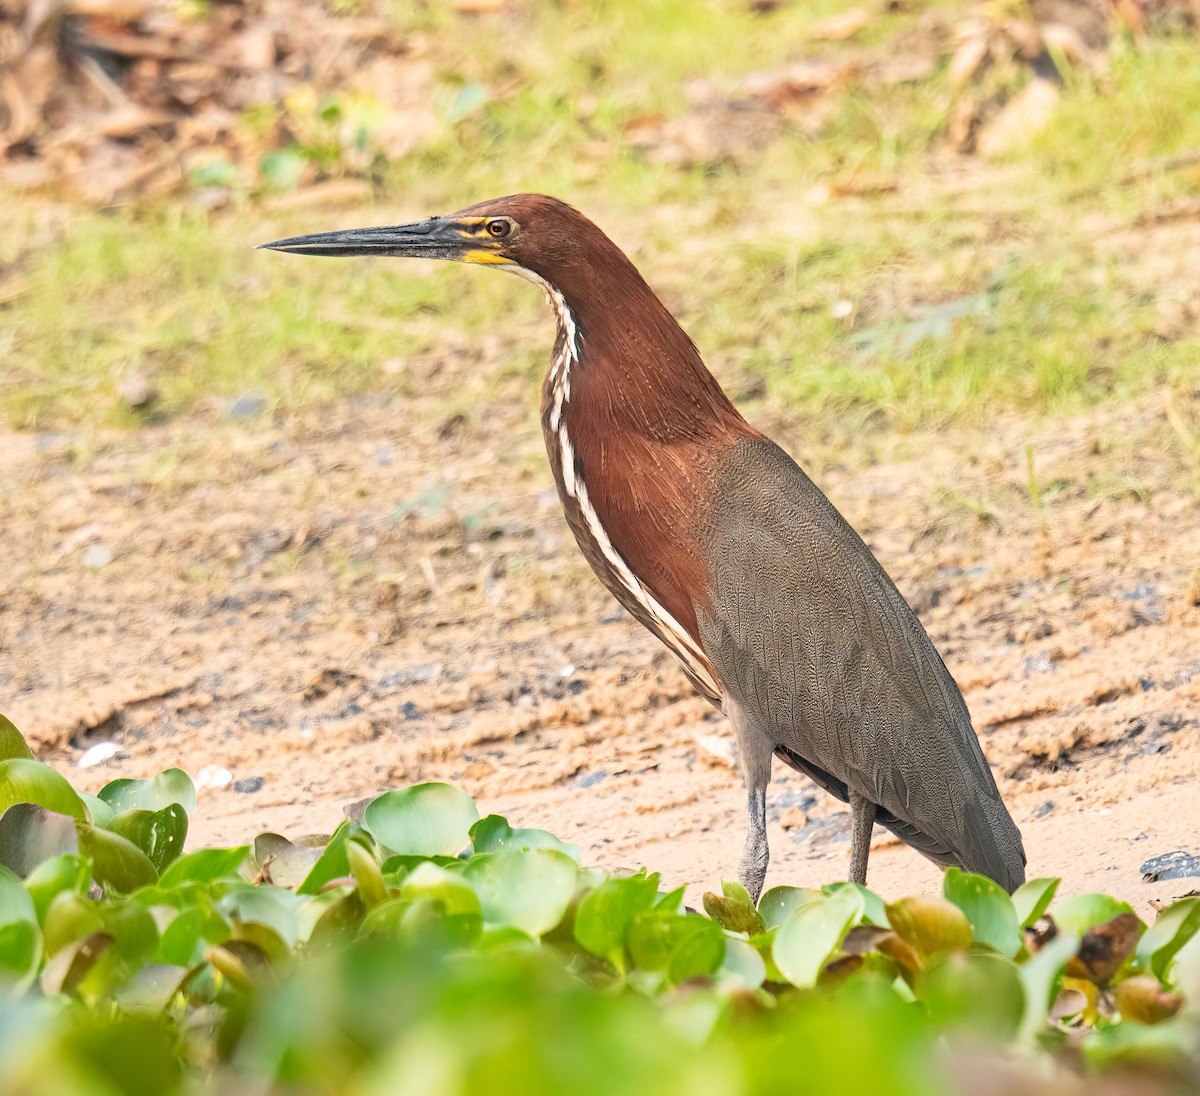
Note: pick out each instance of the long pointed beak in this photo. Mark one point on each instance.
(437, 238)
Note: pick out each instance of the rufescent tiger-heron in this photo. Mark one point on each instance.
(716, 541)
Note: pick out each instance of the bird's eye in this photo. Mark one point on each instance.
(498, 229)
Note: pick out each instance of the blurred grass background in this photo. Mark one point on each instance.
(854, 267)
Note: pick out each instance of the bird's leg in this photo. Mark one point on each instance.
(752, 868)
(756, 754)
(862, 812)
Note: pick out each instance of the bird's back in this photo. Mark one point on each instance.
(830, 662)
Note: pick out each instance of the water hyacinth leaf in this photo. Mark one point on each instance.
(291, 866)
(529, 890)
(29, 835)
(670, 902)
(117, 863)
(429, 881)
(159, 834)
(70, 917)
(980, 993)
(167, 787)
(742, 966)
(423, 820)
(1162, 941)
(20, 955)
(734, 913)
(987, 907)
(151, 989)
(189, 935)
(1170, 1047)
(930, 925)
(874, 909)
(735, 892)
(1032, 898)
(1080, 912)
(812, 933)
(12, 742)
(333, 863)
(678, 945)
(778, 903)
(492, 833)
(1041, 975)
(1141, 998)
(204, 866)
(100, 813)
(15, 901)
(1104, 949)
(273, 907)
(26, 781)
(67, 873)
(365, 869)
(605, 914)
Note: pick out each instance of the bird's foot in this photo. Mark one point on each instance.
(752, 868)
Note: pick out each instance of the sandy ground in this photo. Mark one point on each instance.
(370, 596)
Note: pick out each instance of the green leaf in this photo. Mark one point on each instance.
(449, 888)
(151, 989)
(189, 935)
(605, 914)
(976, 992)
(101, 813)
(682, 946)
(15, 901)
(777, 905)
(204, 865)
(29, 835)
(12, 742)
(54, 876)
(117, 863)
(1040, 975)
(742, 966)
(424, 820)
(874, 909)
(367, 876)
(987, 907)
(1161, 942)
(20, 955)
(1033, 898)
(734, 914)
(931, 925)
(159, 834)
(169, 786)
(492, 833)
(273, 907)
(529, 890)
(25, 781)
(811, 935)
(1080, 912)
(333, 863)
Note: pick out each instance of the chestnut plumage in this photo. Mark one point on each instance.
(716, 541)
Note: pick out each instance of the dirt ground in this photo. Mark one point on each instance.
(369, 596)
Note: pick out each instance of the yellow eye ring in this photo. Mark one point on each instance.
(498, 229)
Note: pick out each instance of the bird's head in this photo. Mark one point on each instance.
(524, 233)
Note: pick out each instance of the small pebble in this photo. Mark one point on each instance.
(98, 754)
(98, 555)
(213, 776)
(248, 785)
(247, 406)
(1171, 865)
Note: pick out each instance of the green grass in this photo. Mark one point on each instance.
(753, 256)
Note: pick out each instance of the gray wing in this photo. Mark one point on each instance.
(827, 658)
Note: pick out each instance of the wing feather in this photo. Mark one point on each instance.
(827, 657)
